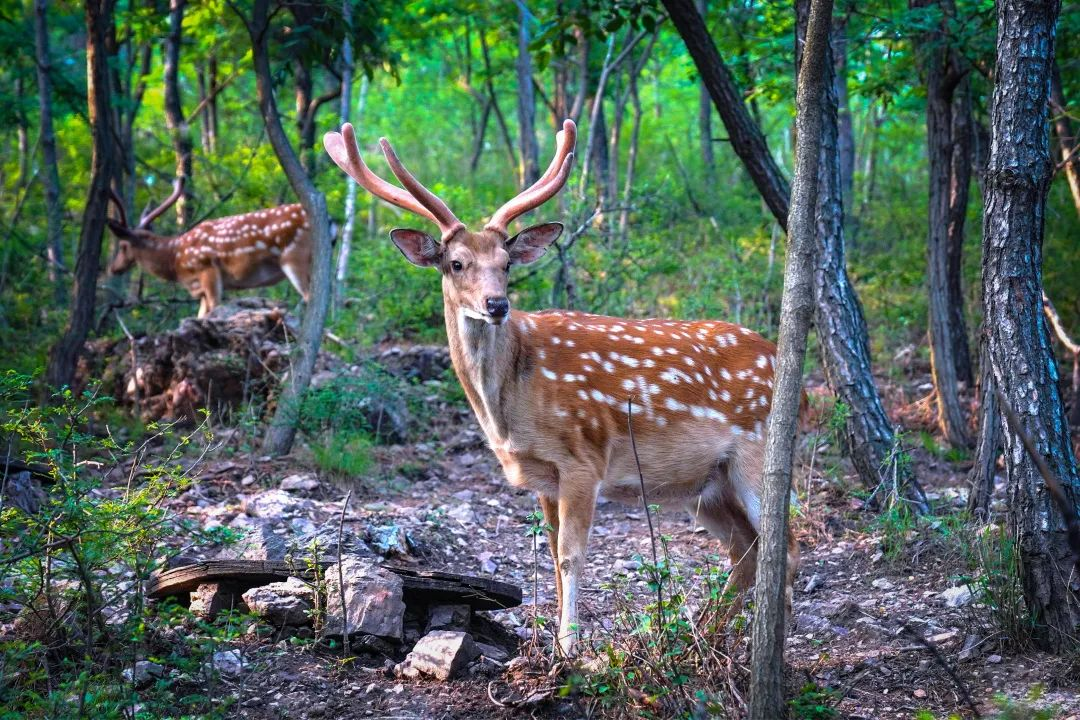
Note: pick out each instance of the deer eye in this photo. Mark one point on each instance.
(455, 265)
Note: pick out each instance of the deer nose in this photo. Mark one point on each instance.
(497, 307)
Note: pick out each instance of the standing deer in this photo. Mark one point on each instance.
(554, 391)
(243, 251)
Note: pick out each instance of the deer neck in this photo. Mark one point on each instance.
(486, 359)
(157, 257)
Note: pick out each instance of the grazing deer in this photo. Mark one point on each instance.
(239, 252)
(553, 390)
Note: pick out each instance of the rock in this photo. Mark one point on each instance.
(919, 693)
(958, 596)
(143, 674)
(301, 481)
(883, 584)
(259, 541)
(282, 603)
(274, 504)
(247, 480)
(811, 624)
(389, 540)
(419, 362)
(209, 599)
(373, 600)
(442, 654)
(463, 513)
(326, 539)
(993, 659)
(492, 652)
(228, 662)
(813, 583)
(449, 617)
(487, 565)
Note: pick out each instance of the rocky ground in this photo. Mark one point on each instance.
(886, 635)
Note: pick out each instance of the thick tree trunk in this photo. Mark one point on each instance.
(64, 355)
(174, 114)
(846, 134)
(744, 133)
(1064, 131)
(54, 211)
(963, 155)
(942, 78)
(282, 430)
(526, 104)
(1017, 179)
(767, 700)
(708, 157)
(988, 443)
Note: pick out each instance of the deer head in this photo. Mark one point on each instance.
(475, 266)
(140, 236)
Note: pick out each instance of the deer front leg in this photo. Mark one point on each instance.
(576, 506)
(550, 506)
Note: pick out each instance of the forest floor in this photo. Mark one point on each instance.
(852, 599)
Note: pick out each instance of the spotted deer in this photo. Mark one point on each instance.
(555, 391)
(239, 252)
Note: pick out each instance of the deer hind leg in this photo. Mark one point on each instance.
(722, 514)
(211, 285)
(550, 506)
(576, 504)
(296, 264)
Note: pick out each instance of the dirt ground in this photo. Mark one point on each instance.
(852, 602)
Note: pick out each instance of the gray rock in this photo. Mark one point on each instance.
(282, 603)
(492, 652)
(958, 596)
(274, 504)
(389, 540)
(144, 673)
(373, 600)
(300, 481)
(326, 538)
(449, 617)
(442, 654)
(259, 541)
(228, 662)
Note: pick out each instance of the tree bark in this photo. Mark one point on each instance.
(1070, 158)
(526, 104)
(1017, 180)
(746, 138)
(963, 156)
(708, 157)
(282, 430)
(349, 227)
(942, 77)
(767, 699)
(64, 355)
(846, 135)
(54, 211)
(988, 443)
(174, 114)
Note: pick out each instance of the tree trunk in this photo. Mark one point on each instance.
(489, 83)
(988, 445)
(708, 158)
(64, 355)
(174, 115)
(282, 430)
(22, 132)
(54, 211)
(526, 104)
(205, 135)
(868, 436)
(941, 83)
(211, 107)
(350, 191)
(846, 134)
(1017, 180)
(963, 154)
(744, 133)
(1064, 131)
(767, 699)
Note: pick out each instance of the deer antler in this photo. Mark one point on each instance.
(344, 151)
(546, 187)
(115, 199)
(152, 215)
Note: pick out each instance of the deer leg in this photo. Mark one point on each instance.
(296, 265)
(575, 518)
(550, 506)
(212, 289)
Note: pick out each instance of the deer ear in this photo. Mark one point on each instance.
(418, 247)
(530, 244)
